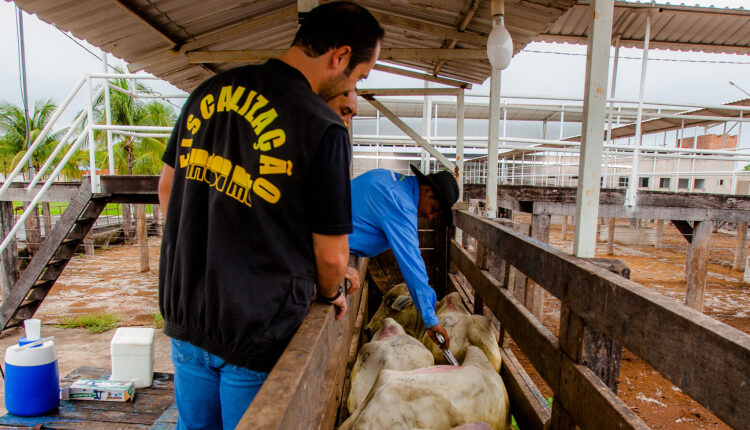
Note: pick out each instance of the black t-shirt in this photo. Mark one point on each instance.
(261, 163)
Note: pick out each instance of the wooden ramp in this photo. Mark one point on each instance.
(68, 233)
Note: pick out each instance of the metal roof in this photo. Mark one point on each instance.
(157, 35)
(682, 28)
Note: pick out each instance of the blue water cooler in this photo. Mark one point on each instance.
(32, 383)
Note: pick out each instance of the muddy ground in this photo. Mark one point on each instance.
(110, 282)
(655, 400)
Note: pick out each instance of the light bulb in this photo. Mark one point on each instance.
(499, 44)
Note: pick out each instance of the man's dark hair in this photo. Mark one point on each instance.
(333, 25)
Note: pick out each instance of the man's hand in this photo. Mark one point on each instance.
(439, 329)
(352, 275)
(340, 305)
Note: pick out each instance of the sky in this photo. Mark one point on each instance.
(55, 62)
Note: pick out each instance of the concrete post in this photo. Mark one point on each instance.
(739, 252)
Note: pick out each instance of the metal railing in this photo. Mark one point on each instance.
(81, 130)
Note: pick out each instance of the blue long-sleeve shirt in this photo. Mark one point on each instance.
(384, 215)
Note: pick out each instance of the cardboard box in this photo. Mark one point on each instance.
(103, 391)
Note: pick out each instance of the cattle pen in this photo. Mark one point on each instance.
(614, 158)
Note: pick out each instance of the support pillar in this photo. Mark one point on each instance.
(142, 234)
(696, 267)
(739, 252)
(595, 97)
(564, 228)
(9, 268)
(659, 233)
(611, 237)
(494, 129)
(88, 244)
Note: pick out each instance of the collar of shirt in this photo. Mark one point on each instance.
(284, 68)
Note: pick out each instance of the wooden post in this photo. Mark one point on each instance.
(564, 228)
(483, 263)
(696, 267)
(659, 233)
(517, 277)
(88, 243)
(32, 230)
(534, 297)
(9, 268)
(585, 345)
(142, 233)
(46, 218)
(599, 222)
(739, 251)
(611, 237)
(157, 219)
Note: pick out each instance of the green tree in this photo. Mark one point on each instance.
(13, 146)
(132, 154)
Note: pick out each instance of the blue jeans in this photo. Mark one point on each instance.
(210, 393)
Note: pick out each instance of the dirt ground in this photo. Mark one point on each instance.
(654, 399)
(110, 282)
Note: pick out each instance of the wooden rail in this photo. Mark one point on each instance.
(303, 390)
(707, 359)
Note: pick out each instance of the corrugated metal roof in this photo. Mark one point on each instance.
(155, 35)
(683, 28)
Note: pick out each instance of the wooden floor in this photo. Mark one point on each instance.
(153, 408)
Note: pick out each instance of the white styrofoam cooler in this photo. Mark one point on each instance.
(132, 351)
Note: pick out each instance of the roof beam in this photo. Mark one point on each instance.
(423, 76)
(247, 25)
(410, 132)
(464, 21)
(428, 28)
(146, 21)
(407, 92)
(260, 55)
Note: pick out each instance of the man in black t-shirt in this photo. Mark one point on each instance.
(256, 191)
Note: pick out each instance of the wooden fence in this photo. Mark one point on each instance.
(708, 360)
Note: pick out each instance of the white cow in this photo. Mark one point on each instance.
(397, 304)
(464, 330)
(391, 348)
(437, 397)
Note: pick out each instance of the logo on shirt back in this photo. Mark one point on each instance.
(219, 172)
(397, 176)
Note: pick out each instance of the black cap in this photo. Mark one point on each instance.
(445, 187)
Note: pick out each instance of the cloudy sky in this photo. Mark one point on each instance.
(55, 62)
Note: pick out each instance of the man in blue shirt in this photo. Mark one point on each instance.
(385, 208)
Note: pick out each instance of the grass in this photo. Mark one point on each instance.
(95, 323)
(112, 209)
(158, 319)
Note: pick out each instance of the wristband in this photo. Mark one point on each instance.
(330, 300)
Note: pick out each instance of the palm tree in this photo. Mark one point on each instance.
(132, 154)
(13, 146)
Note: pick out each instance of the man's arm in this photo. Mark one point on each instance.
(400, 228)
(165, 186)
(331, 261)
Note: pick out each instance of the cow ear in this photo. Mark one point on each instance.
(401, 303)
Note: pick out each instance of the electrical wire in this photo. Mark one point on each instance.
(675, 60)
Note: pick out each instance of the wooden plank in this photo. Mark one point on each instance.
(58, 192)
(684, 345)
(611, 236)
(564, 228)
(423, 76)
(430, 28)
(527, 404)
(696, 266)
(537, 343)
(684, 228)
(291, 396)
(9, 256)
(739, 250)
